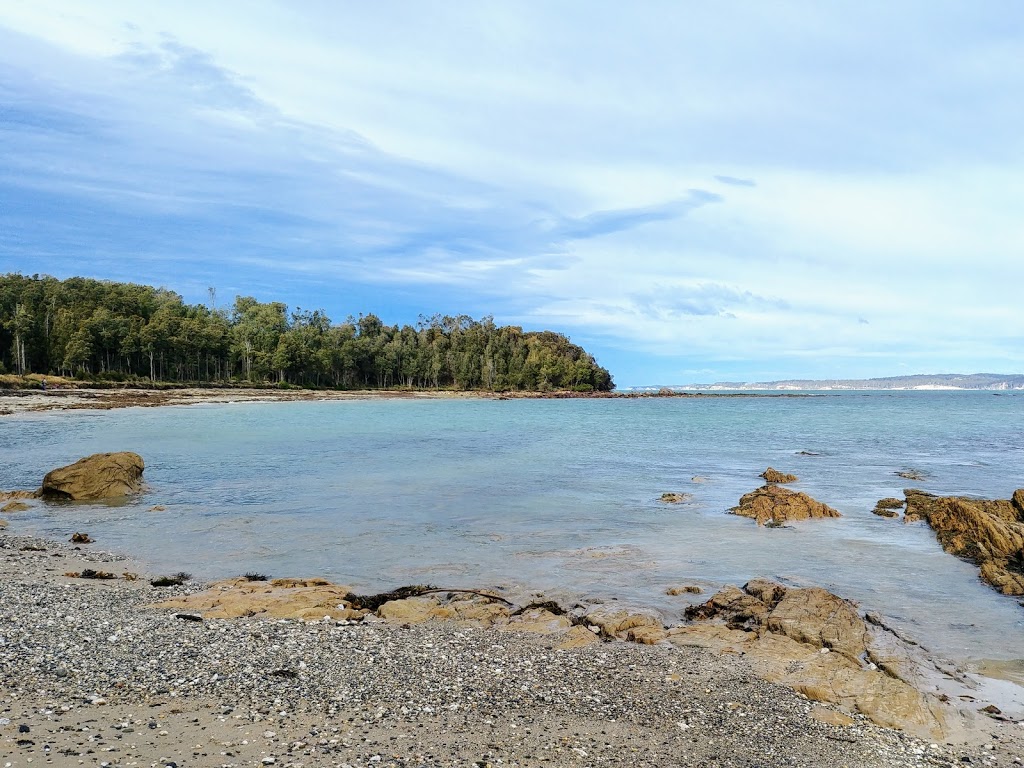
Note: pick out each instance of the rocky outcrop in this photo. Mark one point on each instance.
(818, 644)
(675, 498)
(774, 476)
(14, 506)
(888, 507)
(100, 476)
(989, 533)
(772, 505)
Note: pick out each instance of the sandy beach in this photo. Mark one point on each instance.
(94, 675)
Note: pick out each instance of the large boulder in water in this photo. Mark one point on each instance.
(774, 505)
(989, 533)
(100, 476)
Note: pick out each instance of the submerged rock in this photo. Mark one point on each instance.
(774, 476)
(9, 495)
(675, 498)
(989, 533)
(888, 507)
(100, 476)
(912, 474)
(890, 503)
(885, 512)
(689, 589)
(14, 506)
(773, 505)
(817, 644)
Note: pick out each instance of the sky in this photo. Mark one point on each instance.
(694, 192)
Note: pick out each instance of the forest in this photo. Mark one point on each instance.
(102, 330)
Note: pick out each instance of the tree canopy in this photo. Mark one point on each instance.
(97, 328)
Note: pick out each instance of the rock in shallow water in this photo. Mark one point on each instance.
(774, 476)
(100, 476)
(989, 533)
(773, 505)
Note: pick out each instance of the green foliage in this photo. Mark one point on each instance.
(105, 331)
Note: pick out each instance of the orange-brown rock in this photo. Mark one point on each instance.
(14, 506)
(773, 505)
(675, 498)
(100, 476)
(626, 625)
(8, 495)
(774, 476)
(814, 616)
(413, 610)
(538, 620)
(989, 533)
(280, 599)
(577, 637)
(888, 507)
(830, 717)
(689, 589)
(815, 642)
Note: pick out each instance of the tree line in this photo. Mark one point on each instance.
(123, 331)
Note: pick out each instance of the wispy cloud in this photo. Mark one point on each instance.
(735, 182)
(607, 222)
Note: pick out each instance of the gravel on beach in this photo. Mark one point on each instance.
(93, 676)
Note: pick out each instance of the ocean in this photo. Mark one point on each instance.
(554, 497)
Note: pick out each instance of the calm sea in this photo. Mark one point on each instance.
(558, 496)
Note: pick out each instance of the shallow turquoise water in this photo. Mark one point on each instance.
(553, 495)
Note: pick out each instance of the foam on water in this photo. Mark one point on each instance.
(553, 495)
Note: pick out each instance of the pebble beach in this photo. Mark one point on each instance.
(94, 675)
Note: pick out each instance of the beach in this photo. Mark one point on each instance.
(95, 676)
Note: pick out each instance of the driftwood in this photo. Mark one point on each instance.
(373, 602)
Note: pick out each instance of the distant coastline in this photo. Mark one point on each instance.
(938, 381)
(28, 396)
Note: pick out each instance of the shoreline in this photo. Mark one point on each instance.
(91, 665)
(26, 400)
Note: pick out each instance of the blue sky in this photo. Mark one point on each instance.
(693, 191)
